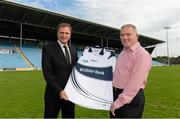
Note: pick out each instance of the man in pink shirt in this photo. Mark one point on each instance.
(130, 76)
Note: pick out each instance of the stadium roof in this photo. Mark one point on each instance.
(41, 24)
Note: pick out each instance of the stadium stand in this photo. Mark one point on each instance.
(33, 53)
(10, 60)
(13, 57)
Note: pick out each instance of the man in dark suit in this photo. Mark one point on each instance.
(58, 59)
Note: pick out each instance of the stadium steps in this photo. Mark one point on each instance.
(25, 58)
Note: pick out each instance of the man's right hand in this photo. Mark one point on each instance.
(63, 95)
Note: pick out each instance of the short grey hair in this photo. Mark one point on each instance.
(64, 25)
(129, 25)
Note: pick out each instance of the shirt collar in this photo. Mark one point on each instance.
(133, 48)
(61, 44)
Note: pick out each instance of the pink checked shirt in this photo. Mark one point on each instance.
(131, 72)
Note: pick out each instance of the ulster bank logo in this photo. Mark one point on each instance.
(103, 73)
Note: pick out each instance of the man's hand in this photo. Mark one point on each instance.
(63, 95)
(113, 109)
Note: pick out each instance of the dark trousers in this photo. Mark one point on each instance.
(131, 110)
(52, 109)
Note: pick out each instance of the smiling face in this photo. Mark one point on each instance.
(64, 34)
(128, 36)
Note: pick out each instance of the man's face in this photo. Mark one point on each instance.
(64, 34)
(128, 37)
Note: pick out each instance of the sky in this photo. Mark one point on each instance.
(149, 16)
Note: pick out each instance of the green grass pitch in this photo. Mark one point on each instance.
(21, 95)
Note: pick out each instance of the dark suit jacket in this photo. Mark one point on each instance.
(55, 69)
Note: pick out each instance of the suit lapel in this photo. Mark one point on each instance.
(60, 53)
